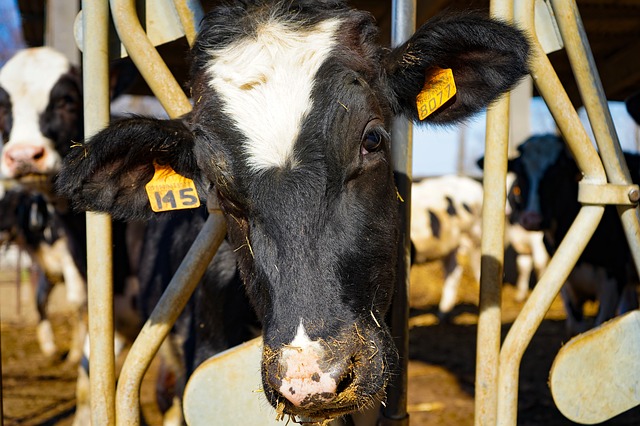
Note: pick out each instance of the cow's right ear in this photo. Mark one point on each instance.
(109, 172)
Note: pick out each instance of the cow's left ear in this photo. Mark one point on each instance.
(487, 57)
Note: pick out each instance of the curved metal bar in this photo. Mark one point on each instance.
(164, 316)
(595, 102)
(99, 252)
(190, 13)
(492, 248)
(557, 100)
(536, 307)
(147, 59)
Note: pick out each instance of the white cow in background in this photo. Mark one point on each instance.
(446, 215)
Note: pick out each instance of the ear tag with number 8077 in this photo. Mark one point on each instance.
(168, 190)
(438, 88)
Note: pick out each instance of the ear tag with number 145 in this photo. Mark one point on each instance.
(438, 88)
(168, 190)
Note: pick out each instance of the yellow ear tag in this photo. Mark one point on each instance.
(438, 89)
(168, 190)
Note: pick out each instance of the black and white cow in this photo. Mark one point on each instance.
(547, 199)
(289, 129)
(40, 114)
(446, 215)
(35, 227)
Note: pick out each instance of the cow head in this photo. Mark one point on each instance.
(40, 113)
(290, 131)
(543, 169)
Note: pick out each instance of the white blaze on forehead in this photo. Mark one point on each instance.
(265, 82)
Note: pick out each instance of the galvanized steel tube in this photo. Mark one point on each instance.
(147, 59)
(492, 264)
(595, 102)
(164, 316)
(190, 13)
(556, 98)
(536, 307)
(95, 63)
(574, 242)
(403, 24)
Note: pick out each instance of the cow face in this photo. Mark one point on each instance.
(40, 112)
(534, 169)
(290, 131)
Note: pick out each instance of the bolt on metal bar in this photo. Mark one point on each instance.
(595, 102)
(147, 59)
(492, 247)
(403, 23)
(95, 62)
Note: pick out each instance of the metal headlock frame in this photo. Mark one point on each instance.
(497, 371)
(498, 368)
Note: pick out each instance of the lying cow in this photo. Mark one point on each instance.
(547, 178)
(289, 130)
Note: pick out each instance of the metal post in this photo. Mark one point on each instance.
(492, 263)
(403, 22)
(99, 253)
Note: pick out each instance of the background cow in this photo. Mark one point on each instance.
(290, 131)
(446, 215)
(547, 199)
(446, 220)
(34, 226)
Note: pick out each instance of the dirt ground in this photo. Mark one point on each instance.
(40, 391)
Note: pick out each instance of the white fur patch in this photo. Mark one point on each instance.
(28, 79)
(266, 82)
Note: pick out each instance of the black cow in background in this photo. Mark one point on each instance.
(546, 198)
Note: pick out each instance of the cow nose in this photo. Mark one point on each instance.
(23, 157)
(306, 378)
(531, 221)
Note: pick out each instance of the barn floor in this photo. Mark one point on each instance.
(40, 391)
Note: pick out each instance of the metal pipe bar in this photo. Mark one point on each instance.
(595, 102)
(557, 100)
(166, 312)
(403, 24)
(536, 307)
(190, 14)
(492, 247)
(147, 59)
(95, 62)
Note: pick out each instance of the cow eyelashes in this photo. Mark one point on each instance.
(373, 140)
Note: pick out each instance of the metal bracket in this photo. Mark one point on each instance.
(608, 193)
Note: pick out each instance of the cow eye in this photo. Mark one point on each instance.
(372, 141)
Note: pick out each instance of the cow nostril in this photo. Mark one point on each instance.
(38, 154)
(345, 382)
